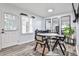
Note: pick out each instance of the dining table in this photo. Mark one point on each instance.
(49, 35)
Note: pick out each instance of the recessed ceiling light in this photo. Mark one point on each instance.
(50, 10)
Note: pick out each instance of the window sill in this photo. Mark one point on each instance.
(27, 33)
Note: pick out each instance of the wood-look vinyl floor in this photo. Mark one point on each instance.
(27, 50)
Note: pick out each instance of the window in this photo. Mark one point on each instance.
(48, 24)
(26, 24)
(55, 23)
(9, 21)
(65, 21)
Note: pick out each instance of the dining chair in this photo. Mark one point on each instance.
(42, 41)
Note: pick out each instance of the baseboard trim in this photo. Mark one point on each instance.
(19, 43)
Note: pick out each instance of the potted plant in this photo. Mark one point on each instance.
(68, 31)
(69, 34)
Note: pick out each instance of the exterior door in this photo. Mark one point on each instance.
(8, 30)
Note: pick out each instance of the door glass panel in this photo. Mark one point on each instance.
(9, 22)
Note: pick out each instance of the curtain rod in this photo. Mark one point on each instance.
(23, 14)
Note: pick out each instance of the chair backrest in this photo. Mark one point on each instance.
(61, 38)
(38, 37)
(57, 29)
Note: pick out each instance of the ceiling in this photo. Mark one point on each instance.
(41, 9)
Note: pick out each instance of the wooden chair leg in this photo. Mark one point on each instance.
(43, 50)
(35, 47)
(41, 45)
(61, 48)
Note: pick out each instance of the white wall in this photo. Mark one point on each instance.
(17, 34)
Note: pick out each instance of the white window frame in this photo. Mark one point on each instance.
(59, 17)
(30, 25)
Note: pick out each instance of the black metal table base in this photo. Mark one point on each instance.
(60, 45)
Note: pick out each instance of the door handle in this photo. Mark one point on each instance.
(2, 31)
